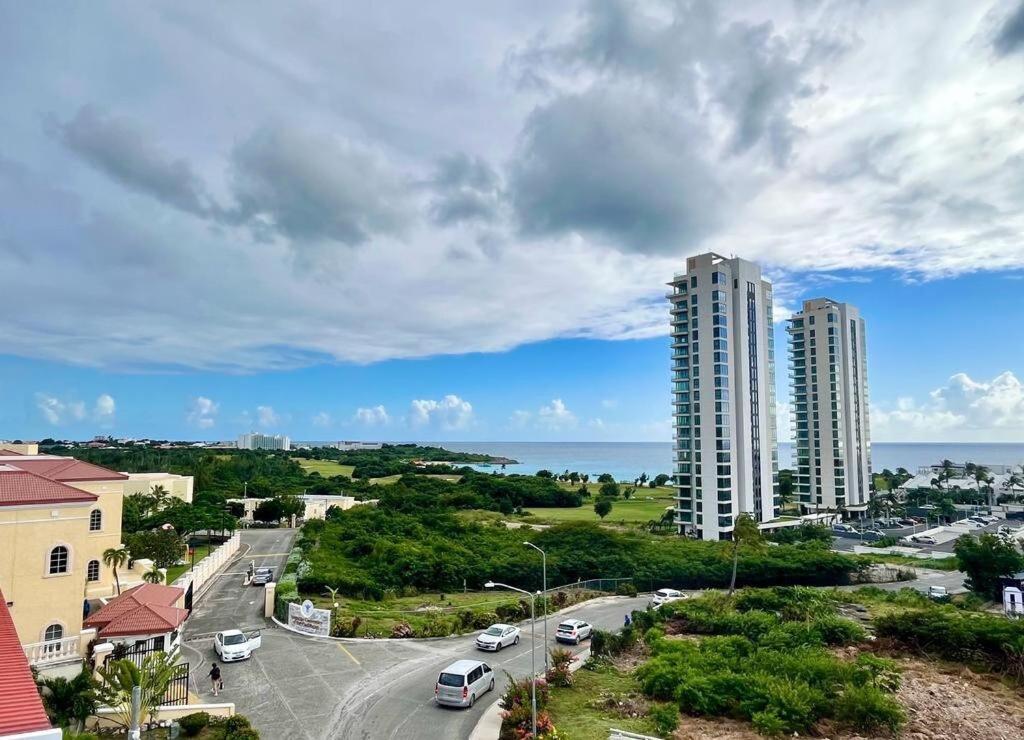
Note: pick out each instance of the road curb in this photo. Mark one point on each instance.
(566, 610)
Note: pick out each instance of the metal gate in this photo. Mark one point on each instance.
(188, 596)
(177, 689)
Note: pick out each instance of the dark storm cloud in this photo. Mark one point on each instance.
(306, 187)
(465, 189)
(1011, 36)
(120, 149)
(618, 166)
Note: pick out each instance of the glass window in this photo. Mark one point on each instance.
(59, 559)
(92, 572)
(95, 520)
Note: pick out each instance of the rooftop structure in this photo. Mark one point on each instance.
(21, 710)
(257, 441)
(144, 610)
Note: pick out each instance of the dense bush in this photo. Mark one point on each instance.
(626, 589)
(399, 544)
(193, 724)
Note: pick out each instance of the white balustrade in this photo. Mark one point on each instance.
(53, 651)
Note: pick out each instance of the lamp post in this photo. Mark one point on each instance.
(533, 642)
(544, 577)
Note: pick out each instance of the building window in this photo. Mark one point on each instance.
(59, 559)
(92, 571)
(53, 635)
(95, 520)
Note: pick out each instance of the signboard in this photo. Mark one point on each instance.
(306, 618)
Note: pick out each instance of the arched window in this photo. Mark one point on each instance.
(52, 636)
(95, 520)
(59, 559)
(92, 571)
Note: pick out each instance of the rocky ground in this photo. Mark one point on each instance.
(943, 702)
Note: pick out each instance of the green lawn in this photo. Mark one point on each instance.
(326, 468)
(176, 570)
(646, 504)
(582, 710)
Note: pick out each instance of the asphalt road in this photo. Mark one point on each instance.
(301, 687)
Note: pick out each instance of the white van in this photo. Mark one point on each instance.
(463, 682)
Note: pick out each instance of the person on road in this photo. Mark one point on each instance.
(627, 621)
(215, 679)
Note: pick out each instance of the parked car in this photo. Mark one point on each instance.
(925, 539)
(907, 522)
(463, 682)
(262, 576)
(843, 528)
(937, 592)
(665, 595)
(990, 518)
(498, 636)
(574, 631)
(236, 645)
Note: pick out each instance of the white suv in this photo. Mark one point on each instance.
(574, 631)
(665, 595)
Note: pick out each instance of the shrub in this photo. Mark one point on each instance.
(665, 718)
(193, 724)
(483, 620)
(867, 709)
(954, 634)
(236, 722)
(559, 673)
(345, 627)
(247, 733)
(625, 589)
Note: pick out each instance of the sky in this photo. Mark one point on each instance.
(455, 220)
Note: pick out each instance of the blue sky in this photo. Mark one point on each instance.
(325, 223)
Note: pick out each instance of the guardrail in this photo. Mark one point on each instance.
(53, 651)
(592, 584)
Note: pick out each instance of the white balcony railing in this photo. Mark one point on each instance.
(54, 651)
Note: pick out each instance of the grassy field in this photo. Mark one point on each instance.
(326, 468)
(646, 504)
(176, 570)
(583, 709)
(932, 564)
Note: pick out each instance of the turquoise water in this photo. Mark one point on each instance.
(627, 460)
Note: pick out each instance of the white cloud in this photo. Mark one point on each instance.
(556, 416)
(520, 419)
(58, 412)
(964, 410)
(104, 408)
(202, 412)
(372, 416)
(597, 423)
(826, 135)
(609, 403)
(322, 419)
(266, 417)
(451, 412)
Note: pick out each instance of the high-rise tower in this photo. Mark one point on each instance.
(723, 386)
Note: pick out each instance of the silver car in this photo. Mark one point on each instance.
(463, 682)
(498, 636)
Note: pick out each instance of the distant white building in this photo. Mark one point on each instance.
(257, 441)
(349, 445)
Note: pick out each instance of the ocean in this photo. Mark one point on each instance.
(627, 460)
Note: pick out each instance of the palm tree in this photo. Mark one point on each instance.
(981, 475)
(115, 557)
(153, 576)
(119, 677)
(946, 471)
(744, 533)
(69, 703)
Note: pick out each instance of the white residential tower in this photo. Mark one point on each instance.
(832, 442)
(723, 386)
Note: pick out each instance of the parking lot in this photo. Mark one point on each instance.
(944, 541)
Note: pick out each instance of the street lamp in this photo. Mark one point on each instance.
(533, 642)
(544, 576)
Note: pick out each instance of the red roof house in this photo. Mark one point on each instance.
(61, 469)
(144, 610)
(21, 709)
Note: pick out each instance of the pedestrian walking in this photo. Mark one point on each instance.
(215, 679)
(627, 621)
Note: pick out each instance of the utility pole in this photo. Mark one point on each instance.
(544, 580)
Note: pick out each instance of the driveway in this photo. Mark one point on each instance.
(303, 687)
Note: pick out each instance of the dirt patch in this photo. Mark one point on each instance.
(942, 701)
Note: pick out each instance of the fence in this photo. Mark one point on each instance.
(593, 584)
(177, 689)
(208, 566)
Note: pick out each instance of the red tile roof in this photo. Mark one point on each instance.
(144, 610)
(20, 488)
(5, 451)
(62, 469)
(21, 709)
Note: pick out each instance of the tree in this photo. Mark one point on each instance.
(946, 509)
(946, 471)
(627, 492)
(545, 474)
(985, 559)
(661, 479)
(603, 507)
(609, 489)
(605, 478)
(271, 510)
(746, 534)
(786, 486)
(153, 576)
(115, 557)
(119, 677)
(643, 479)
(163, 546)
(69, 703)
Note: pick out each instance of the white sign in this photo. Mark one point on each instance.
(306, 618)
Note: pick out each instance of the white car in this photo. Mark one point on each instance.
(925, 539)
(497, 636)
(574, 631)
(665, 595)
(236, 645)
